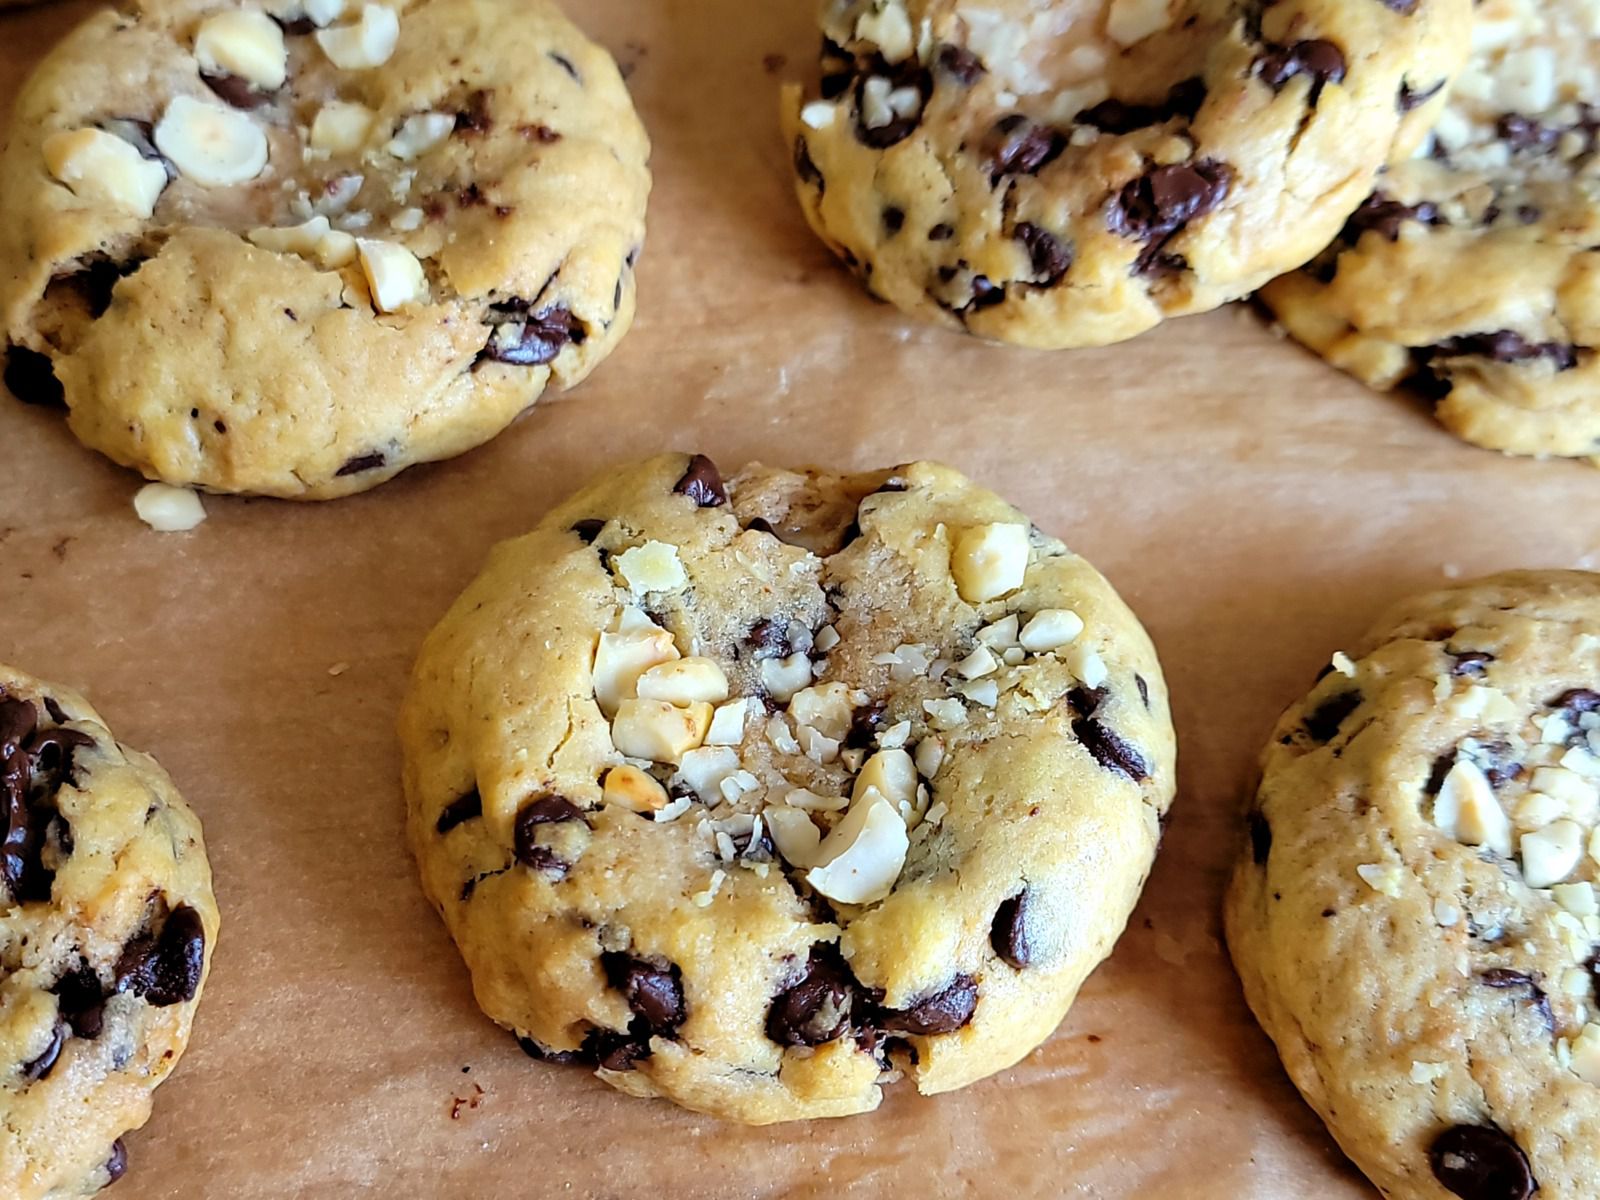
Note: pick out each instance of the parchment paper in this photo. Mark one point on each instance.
(1254, 506)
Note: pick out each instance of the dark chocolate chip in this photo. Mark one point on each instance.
(943, 1012)
(702, 483)
(1385, 216)
(1050, 256)
(619, 1051)
(117, 1164)
(566, 65)
(1009, 933)
(1579, 700)
(464, 808)
(1505, 346)
(473, 119)
(906, 75)
(1117, 117)
(18, 720)
(361, 463)
(563, 1057)
(96, 282)
(941, 232)
(1109, 750)
(1163, 200)
(546, 810)
(1144, 689)
(1260, 837)
(1481, 1162)
(655, 994)
(588, 529)
(234, 90)
(864, 725)
(1017, 146)
(960, 64)
(1323, 722)
(1470, 662)
(165, 967)
(1318, 60)
(525, 340)
(40, 1067)
(1086, 701)
(769, 638)
(1404, 7)
(1524, 133)
(1441, 768)
(81, 998)
(816, 1008)
(55, 711)
(805, 167)
(985, 294)
(1410, 100)
(894, 220)
(31, 377)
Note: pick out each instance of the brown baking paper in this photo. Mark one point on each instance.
(1254, 506)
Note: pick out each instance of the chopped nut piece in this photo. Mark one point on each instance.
(779, 735)
(1447, 914)
(824, 707)
(1050, 629)
(621, 657)
(366, 44)
(1341, 662)
(979, 663)
(794, 834)
(1381, 879)
(1130, 21)
(929, 756)
(394, 274)
(683, 681)
(890, 773)
(705, 769)
(168, 509)
(988, 561)
(704, 899)
(1577, 898)
(985, 692)
(889, 29)
(1586, 1054)
(818, 114)
(341, 127)
(420, 133)
(1466, 808)
(652, 567)
(1427, 1072)
(807, 799)
(658, 731)
(727, 724)
(860, 860)
(210, 144)
(102, 168)
(818, 747)
(895, 736)
(1086, 664)
(827, 639)
(315, 239)
(783, 677)
(1550, 854)
(1002, 635)
(246, 44)
(632, 789)
(945, 715)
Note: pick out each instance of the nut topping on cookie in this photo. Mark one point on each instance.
(101, 167)
(341, 127)
(652, 567)
(684, 681)
(315, 239)
(420, 133)
(1466, 809)
(366, 44)
(659, 731)
(859, 861)
(210, 144)
(988, 561)
(245, 44)
(631, 788)
(394, 274)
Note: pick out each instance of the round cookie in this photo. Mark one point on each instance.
(1414, 916)
(1471, 274)
(754, 794)
(107, 923)
(1062, 175)
(293, 249)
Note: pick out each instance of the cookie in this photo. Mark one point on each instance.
(107, 924)
(1066, 175)
(1414, 914)
(293, 249)
(1470, 275)
(759, 794)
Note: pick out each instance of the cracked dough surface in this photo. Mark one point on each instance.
(677, 949)
(1058, 174)
(1414, 918)
(107, 922)
(192, 354)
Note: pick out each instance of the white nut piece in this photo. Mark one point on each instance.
(210, 144)
(624, 655)
(703, 771)
(394, 274)
(658, 731)
(891, 774)
(824, 707)
(889, 29)
(420, 133)
(366, 44)
(727, 724)
(794, 835)
(630, 788)
(652, 567)
(168, 509)
(989, 560)
(1466, 808)
(341, 127)
(1550, 854)
(860, 860)
(315, 239)
(979, 663)
(245, 43)
(1049, 629)
(1586, 1054)
(783, 677)
(683, 681)
(1131, 21)
(101, 167)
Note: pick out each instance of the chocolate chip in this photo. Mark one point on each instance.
(1109, 750)
(943, 1012)
(542, 1054)
(1409, 100)
(769, 638)
(1404, 7)
(18, 719)
(655, 994)
(117, 1164)
(702, 483)
(31, 377)
(864, 725)
(361, 463)
(235, 91)
(1505, 346)
(473, 119)
(524, 340)
(81, 998)
(464, 808)
(619, 1051)
(588, 529)
(1144, 689)
(165, 967)
(1050, 256)
(566, 65)
(55, 711)
(960, 64)
(941, 232)
(1472, 663)
(1385, 216)
(894, 220)
(1579, 700)
(1525, 133)
(1009, 933)
(984, 294)
(1318, 59)
(1260, 837)
(1163, 200)
(546, 810)
(1116, 117)
(1016, 146)
(96, 282)
(899, 128)
(1481, 1162)
(1086, 701)
(1323, 722)
(542, 134)
(1441, 768)
(816, 1008)
(805, 167)
(40, 1067)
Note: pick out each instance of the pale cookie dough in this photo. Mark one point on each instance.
(755, 795)
(107, 923)
(1057, 174)
(1471, 274)
(1415, 917)
(293, 247)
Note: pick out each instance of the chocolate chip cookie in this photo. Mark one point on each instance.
(292, 247)
(759, 794)
(1469, 274)
(1057, 175)
(106, 938)
(1414, 913)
